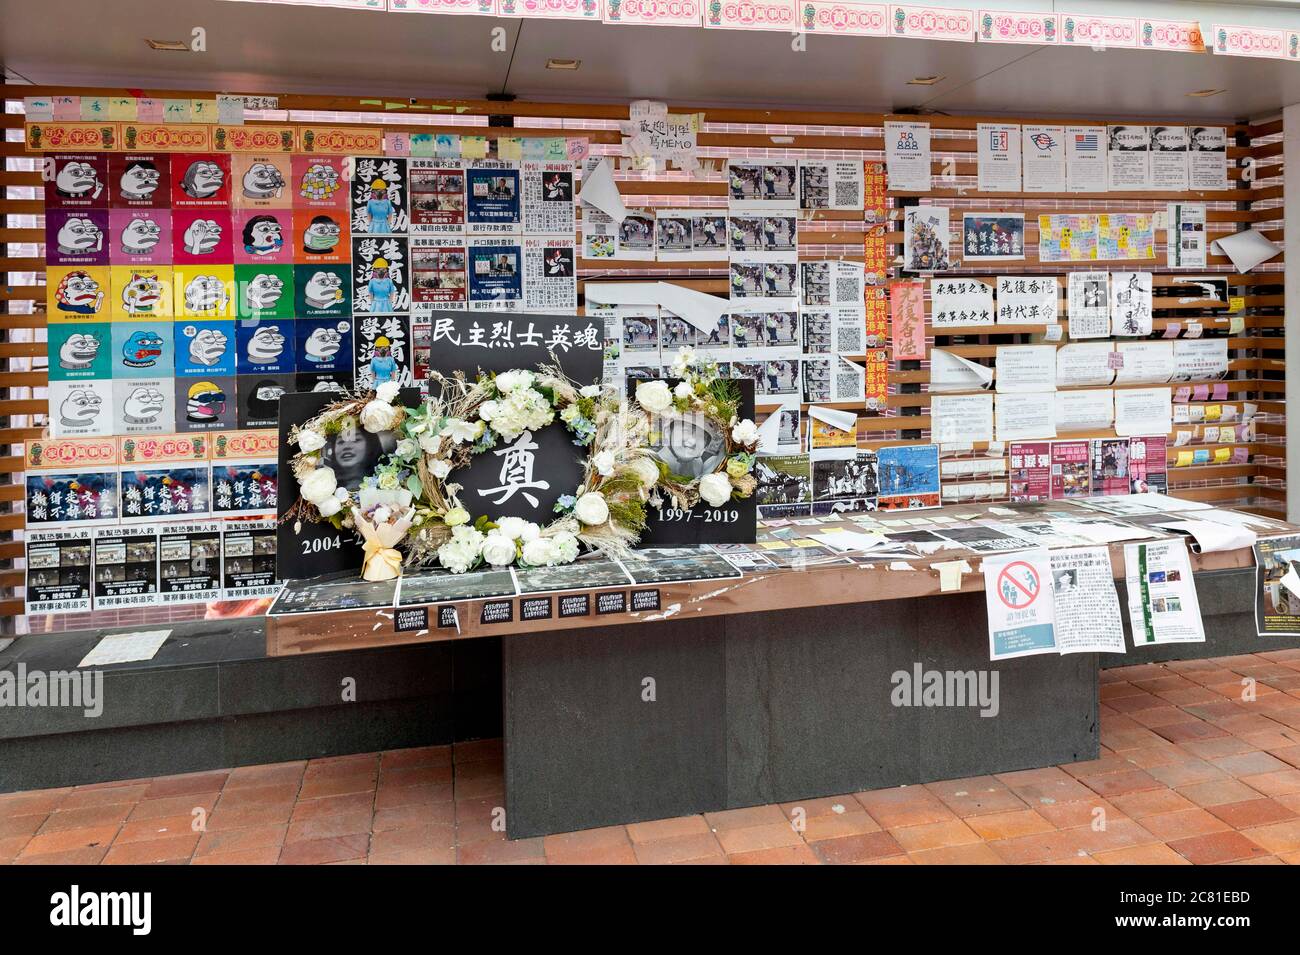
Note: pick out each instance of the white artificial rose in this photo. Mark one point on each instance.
(715, 488)
(603, 462)
(388, 391)
(591, 509)
(745, 432)
(319, 485)
(381, 515)
(590, 391)
(646, 470)
(310, 441)
(565, 546)
(514, 381)
(539, 552)
(329, 507)
(439, 469)
(683, 390)
(455, 517)
(488, 410)
(406, 448)
(378, 416)
(654, 396)
(511, 527)
(530, 531)
(498, 550)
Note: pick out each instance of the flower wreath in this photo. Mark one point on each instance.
(408, 513)
(716, 400)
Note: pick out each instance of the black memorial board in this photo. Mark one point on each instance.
(523, 477)
(320, 548)
(691, 446)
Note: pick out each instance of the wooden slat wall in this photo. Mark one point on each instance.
(1257, 368)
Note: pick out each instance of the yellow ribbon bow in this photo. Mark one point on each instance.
(380, 563)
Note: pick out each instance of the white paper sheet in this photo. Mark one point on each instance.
(1086, 363)
(1088, 299)
(998, 157)
(1025, 417)
(1087, 607)
(1130, 303)
(1085, 158)
(961, 418)
(1043, 158)
(951, 372)
(1169, 165)
(1023, 368)
(1088, 410)
(1128, 158)
(1143, 411)
(601, 191)
(125, 648)
(907, 156)
(1145, 362)
(1246, 249)
(1162, 600)
(960, 302)
(1027, 299)
(1018, 599)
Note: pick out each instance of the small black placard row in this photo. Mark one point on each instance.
(414, 619)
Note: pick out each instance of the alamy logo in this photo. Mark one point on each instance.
(73, 908)
(81, 689)
(921, 687)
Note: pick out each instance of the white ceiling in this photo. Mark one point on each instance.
(254, 47)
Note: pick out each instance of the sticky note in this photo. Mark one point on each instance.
(1184, 459)
(474, 147)
(510, 148)
(122, 109)
(94, 107)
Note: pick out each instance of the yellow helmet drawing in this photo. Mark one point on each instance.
(382, 342)
(379, 264)
(379, 184)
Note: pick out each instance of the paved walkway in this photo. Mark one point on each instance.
(1189, 773)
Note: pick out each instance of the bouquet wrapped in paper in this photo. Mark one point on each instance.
(382, 528)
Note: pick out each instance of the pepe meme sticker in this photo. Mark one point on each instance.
(140, 181)
(205, 404)
(80, 351)
(81, 408)
(200, 181)
(78, 182)
(140, 237)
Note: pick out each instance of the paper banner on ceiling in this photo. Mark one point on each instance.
(1098, 32)
(845, 19)
(551, 9)
(1023, 26)
(750, 15)
(486, 8)
(1250, 41)
(1179, 36)
(933, 23)
(683, 13)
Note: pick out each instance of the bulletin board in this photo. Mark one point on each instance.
(1251, 476)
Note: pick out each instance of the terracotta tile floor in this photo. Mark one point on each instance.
(1189, 772)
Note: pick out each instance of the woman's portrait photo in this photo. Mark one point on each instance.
(353, 454)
